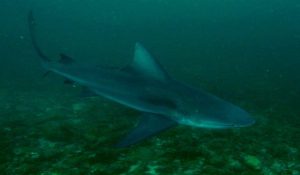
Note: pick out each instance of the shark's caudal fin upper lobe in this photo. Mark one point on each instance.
(64, 59)
(45, 60)
(32, 23)
(149, 125)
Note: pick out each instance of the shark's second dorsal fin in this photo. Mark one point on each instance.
(65, 59)
(144, 64)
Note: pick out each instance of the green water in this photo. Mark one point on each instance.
(247, 52)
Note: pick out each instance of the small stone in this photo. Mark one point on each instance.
(277, 167)
(252, 162)
(134, 167)
(235, 164)
(295, 172)
(267, 171)
(34, 155)
(18, 151)
(78, 107)
(7, 129)
(152, 169)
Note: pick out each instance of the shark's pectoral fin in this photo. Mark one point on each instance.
(149, 125)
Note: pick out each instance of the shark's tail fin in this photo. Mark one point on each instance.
(31, 24)
(64, 59)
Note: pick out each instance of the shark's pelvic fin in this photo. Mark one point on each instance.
(144, 64)
(149, 125)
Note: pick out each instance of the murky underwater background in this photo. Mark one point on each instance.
(247, 52)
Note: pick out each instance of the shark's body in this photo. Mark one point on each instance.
(145, 86)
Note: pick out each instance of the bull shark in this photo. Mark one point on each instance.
(144, 85)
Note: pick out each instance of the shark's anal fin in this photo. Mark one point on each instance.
(149, 125)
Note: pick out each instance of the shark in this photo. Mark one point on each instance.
(144, 85)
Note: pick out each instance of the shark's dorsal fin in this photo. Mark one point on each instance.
(144, 64)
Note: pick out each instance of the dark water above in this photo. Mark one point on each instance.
(247, 52)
